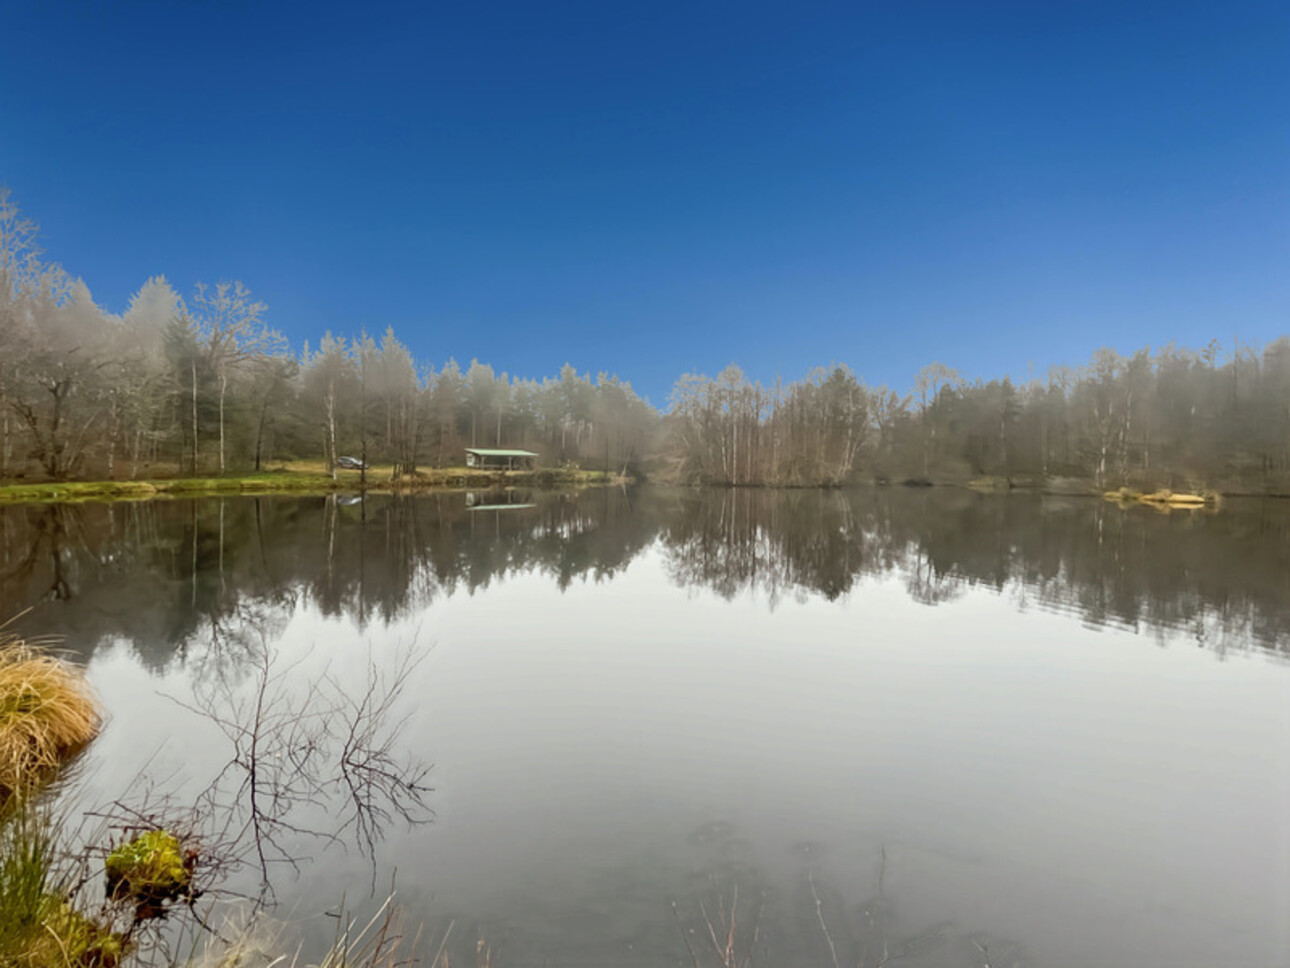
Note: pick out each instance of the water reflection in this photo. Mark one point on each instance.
(309, 759)
(725, 909)
(634, 698)
(164, 575)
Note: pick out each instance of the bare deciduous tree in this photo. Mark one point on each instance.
(230, 326)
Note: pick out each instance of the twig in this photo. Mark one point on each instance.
(434, 962)
(819, 914)
(685, 935)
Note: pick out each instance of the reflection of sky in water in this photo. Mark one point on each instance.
(1090, 795)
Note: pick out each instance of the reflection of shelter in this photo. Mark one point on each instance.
(498, 500)
(501, 459)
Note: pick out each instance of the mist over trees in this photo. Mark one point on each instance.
(1177, 418)
(203, 384)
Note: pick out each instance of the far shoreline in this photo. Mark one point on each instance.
(308, 482)
(304, 482)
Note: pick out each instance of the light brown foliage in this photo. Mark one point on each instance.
(47, 713)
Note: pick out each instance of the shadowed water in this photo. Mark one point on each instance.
(932, 727)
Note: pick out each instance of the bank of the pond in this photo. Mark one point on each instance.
(303, 481)
(48, 918)
(1058, 486)
(1199, 497)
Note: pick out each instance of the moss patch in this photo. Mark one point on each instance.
(150, 871)
(62, 937)
(39, 927)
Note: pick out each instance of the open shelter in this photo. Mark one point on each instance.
(509, 460)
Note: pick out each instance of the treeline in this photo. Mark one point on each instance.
(202, 385)
(1177, 418)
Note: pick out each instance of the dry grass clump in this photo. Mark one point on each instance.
(1166, 496)
(1163, 498)
(47, 714)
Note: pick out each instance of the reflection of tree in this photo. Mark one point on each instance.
(39, 560)
(730, 540)
(178, 577)
(175, 577)
(925, 583)
(1225, 577)
(313, 759)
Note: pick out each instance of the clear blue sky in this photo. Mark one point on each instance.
(663, 187)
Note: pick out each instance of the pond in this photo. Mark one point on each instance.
(883, 725)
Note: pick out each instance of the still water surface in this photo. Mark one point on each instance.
(934, 727)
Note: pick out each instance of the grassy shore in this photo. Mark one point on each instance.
(300, 477)
(49, 916)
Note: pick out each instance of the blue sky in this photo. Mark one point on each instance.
(651, 189)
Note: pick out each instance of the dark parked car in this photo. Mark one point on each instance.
(350, 463)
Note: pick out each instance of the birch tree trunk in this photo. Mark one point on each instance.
(223, 386)
(331, 430)
(134, 457)
(6, 443)
(194, 375)
(113, 418)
